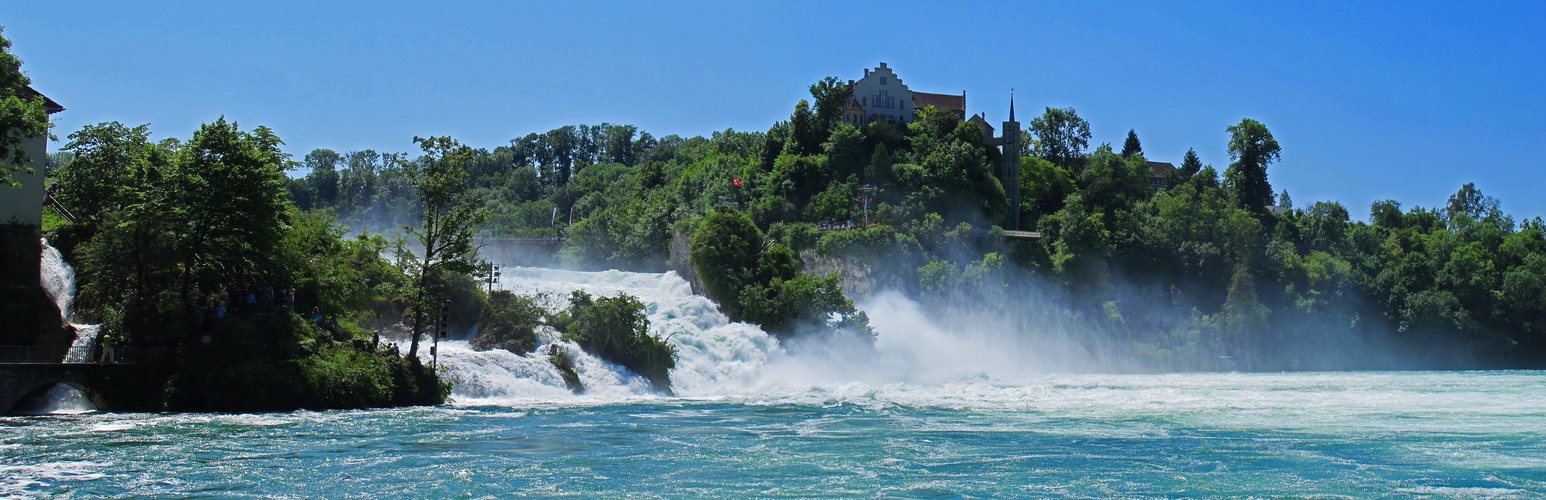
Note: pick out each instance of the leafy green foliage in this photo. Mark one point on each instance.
(508, 321)
(757, 281)
(1252, 148)
(446, 221)
(275, 361)
(21, 118)
(616, 329)
(1061, 137)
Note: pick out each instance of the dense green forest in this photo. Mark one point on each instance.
(194, 247)
(1210, 270)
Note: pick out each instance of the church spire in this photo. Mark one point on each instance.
(1011, 104)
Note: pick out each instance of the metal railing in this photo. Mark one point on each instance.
(15, 354)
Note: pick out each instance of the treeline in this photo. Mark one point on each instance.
(1209, 270)
(194, 250)
(371, 190)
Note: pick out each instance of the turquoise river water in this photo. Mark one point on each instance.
(929, 412)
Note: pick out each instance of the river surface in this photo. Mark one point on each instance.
(929, 411)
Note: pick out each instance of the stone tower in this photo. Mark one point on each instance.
(1011, 166)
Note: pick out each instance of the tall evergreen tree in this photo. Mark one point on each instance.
(1190, 164)
(1132, 146)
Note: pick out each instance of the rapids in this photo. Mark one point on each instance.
(931, 411)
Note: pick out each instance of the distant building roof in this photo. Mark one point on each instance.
(853, 105)
(1161, 169)
(27, 93)
(956, 103)
(981, 122)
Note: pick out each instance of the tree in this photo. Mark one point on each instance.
(110, 160)
(323, 178)
(1061, 137)
(806, 132)
(1190, 164)
(1252, 148)
(1470, 202)
(723, 246)
(1132, 146)
(21, 116)
(228, 194)
(831, 95)
(446, 220)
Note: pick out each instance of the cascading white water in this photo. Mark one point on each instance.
(915, 358)
(58, 277)
(713, 354)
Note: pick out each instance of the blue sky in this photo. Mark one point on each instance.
(1403, 100)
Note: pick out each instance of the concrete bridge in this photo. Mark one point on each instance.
(110, 387)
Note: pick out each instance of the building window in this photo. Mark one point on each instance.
(883, 101)
(882, 80)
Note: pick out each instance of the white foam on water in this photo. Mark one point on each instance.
(916, 361)
(23, 481)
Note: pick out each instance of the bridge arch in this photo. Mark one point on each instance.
(37, 400)
(109, 387)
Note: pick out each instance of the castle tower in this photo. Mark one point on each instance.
(1011, 166)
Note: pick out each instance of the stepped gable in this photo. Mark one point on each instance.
(954, 103)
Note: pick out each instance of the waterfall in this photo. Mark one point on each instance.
(917, 356)
(714, 355)
(58, 278)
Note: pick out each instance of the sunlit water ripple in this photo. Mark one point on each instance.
(1354, 435)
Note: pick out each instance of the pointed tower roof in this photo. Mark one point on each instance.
(1011, 104)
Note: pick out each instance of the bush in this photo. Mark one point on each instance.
(275, 361)
(616, 329)
(509, 322)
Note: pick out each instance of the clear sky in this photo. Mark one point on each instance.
(1403, 100)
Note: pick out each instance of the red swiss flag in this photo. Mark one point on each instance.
(736, 181)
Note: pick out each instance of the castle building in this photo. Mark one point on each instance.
(881, 96)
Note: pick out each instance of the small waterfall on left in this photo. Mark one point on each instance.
(59, 279)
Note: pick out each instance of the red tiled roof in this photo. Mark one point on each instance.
(955, 103)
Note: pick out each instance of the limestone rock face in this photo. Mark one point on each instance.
(858, 279)
(681, 262)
